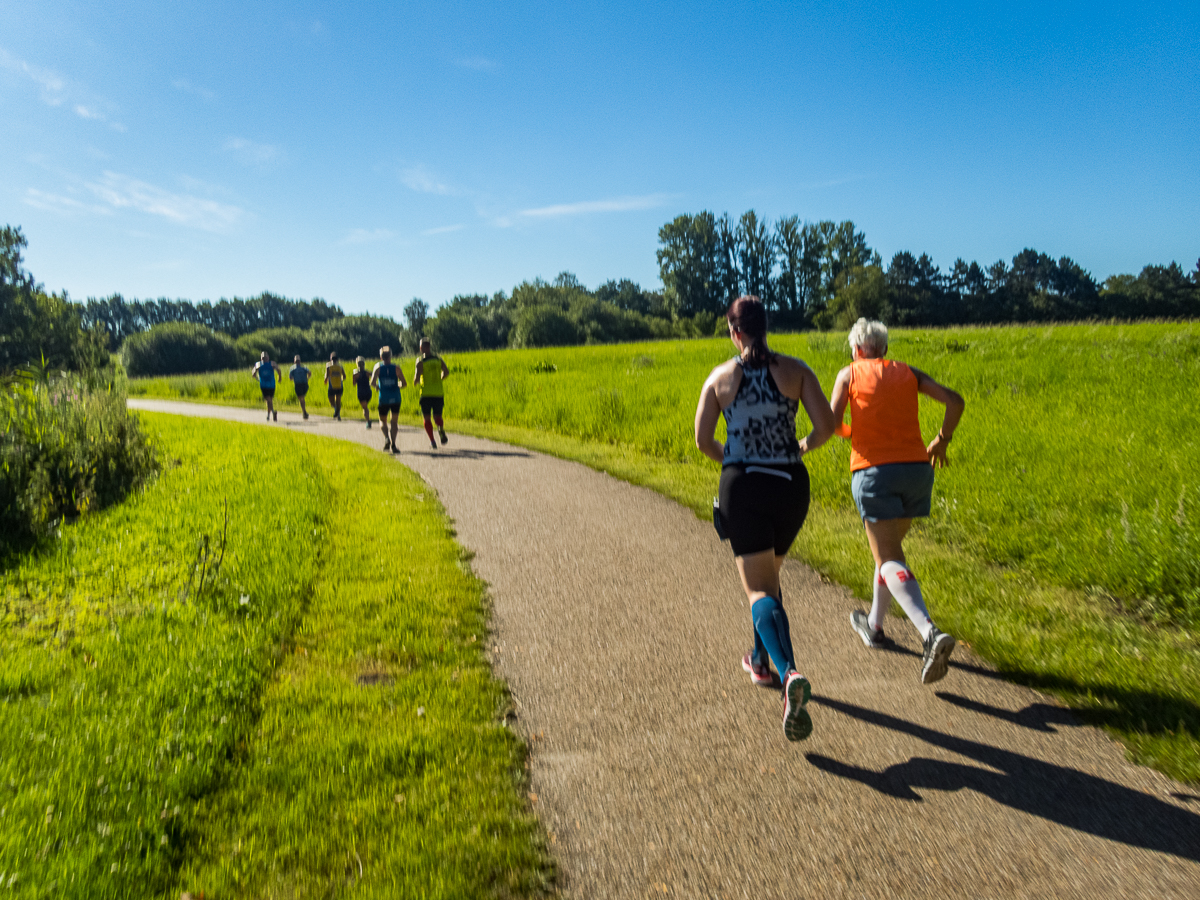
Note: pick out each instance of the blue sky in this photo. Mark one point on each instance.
(369, 153)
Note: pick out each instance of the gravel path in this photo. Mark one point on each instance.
(659, 770)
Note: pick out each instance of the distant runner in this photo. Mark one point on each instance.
(764, 485)
(892, 480)
(388, 379)
(431, 371)
(266, 371)
(362, 383)
(299, 374)
(334, 376)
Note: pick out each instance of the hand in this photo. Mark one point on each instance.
(937, 451)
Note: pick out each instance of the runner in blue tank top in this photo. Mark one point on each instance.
(388, 379)
(266, 371)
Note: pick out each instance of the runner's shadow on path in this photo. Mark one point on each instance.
(1066, 796)
(1037, 716)
(1113, 706)
(467, 454)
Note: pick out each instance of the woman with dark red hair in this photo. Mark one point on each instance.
(764, 485)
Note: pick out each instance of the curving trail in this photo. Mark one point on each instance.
(659, 770)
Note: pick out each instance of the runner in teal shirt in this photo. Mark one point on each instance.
(388, 379)
(265, 371)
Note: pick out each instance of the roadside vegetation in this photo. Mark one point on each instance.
(192, 684)
(1064, 543)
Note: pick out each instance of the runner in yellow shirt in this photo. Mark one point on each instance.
(334, 376)
(431, 372)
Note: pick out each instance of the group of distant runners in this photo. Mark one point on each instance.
(764, 489)
(386, 379)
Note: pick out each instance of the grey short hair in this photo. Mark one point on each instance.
(870, 335)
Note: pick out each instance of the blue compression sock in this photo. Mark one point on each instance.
(773, 632)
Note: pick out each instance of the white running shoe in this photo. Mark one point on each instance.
(797, 723)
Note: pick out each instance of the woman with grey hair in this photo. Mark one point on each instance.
(892, 478)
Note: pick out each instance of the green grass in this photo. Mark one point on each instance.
(260, 737)
(1064, 543)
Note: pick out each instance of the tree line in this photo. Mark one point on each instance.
(825, 275)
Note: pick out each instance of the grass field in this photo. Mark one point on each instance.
(1064, 543)
(170, 725)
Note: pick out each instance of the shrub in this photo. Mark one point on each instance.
(544, 326)
(281, 344)
(353, 336)
(177, 348)
(450, 332)
(66, 449)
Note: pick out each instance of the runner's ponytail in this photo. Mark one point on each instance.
(748, 315)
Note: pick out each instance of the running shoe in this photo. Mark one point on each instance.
(306, 415)
(433, 445)
(936, 659)
(442, 435)
(797, 723)
(873, 638)
(395, 450)
(758, 674)
(276, 416)
(368, 424)
(387, 444)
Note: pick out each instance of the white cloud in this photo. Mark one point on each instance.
(53, 85)
(65, 206)
(363, 236)
(478, 63)
(443, 229)
(182, 84)
(123, 192)
(56, 89)
(587, 207)
(251, 152)
(420, 179)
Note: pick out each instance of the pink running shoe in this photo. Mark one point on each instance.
(758, 674)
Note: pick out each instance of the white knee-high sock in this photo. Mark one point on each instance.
(903, 585)
(881, 601)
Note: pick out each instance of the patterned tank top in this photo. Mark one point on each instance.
(760, 423)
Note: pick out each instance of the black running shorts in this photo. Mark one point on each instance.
(763, 506)
(432, 405)
(385, 408)
(268, 393)
(301, 389)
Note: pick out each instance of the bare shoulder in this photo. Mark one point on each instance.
(723, 372)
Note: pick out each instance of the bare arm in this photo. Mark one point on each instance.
(818, 411)
(708, 410)
(954, 404)
(838, 400)
(445, 370)
(375, 376)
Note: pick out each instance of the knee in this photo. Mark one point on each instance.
(763, 608)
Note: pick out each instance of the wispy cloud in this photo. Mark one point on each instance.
(182, 84)
(64, 206)
(122, 192)
(367, 236)
(252, 152)
(588, 207)
(420, 179)
(478, 63)
(443, 229)
(57, 90)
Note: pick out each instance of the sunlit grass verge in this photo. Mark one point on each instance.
(146, 720)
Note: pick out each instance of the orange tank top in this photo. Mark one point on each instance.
(884, 427)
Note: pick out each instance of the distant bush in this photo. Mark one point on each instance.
(353, 336)
(452, 332)
(178, 348)
(281, 344)
(544, 326)
(67, 448)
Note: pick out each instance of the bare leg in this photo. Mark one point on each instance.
(395, 427)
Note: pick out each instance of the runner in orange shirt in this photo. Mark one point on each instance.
(892, 480)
